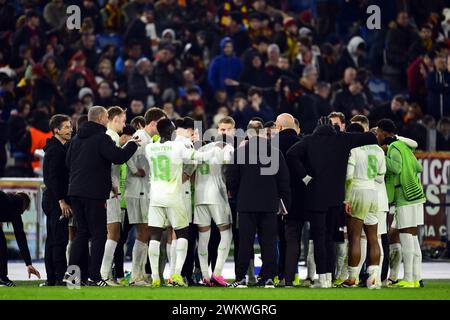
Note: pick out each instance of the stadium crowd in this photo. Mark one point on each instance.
(201, 58)
(247, 64)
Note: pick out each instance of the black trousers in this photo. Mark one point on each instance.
(188, 266)
(265, 224)
(293, 235)
(3, 255)
(56, 242)
(281, 247)
(213, 245)
(324, 227)
(119, 254)
(235, 232)
(90, 215)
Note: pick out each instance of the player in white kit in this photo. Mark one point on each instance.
(366, 165)
(211, 203)
(137, 192)
(114, 214)
(167, 207)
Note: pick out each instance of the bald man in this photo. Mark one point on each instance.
(290, 228)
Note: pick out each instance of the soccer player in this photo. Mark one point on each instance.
(114, 214)
(365, 166)
(167, 205)
(404, 188)
(211, 203)
(137, 191)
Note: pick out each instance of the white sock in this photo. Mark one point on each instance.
(108, 257)
(417, 261)
(395, 258)
(353, 273)
(173, 256)
(341, 250)
(373, 272)
(153, 253)
(363, 244)
(203, 240)
(407, 242)
(310, 262)
(223, 250)
(139, 249)
(380, 265)
(68, 249)
(182, 247)
(144, 259)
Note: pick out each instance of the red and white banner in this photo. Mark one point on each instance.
(436, 184)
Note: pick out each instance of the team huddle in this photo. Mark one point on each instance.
(161, 179)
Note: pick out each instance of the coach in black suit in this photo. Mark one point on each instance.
(323, 156)
(258, 186)
(89, 158)
(290, 229)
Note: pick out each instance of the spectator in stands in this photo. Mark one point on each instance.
(30, 36)
(224, 67)
(417, 73)
(35, 138)
(422, 44)
(351, 100)
(443, 138)
(353, 55)
(398, 41)
(113, 19)
(438, 88)
(55, 14)
(137, 33)
(394, 111)
(255, 108)
(105, 95)
(238, 33)
(141, 85)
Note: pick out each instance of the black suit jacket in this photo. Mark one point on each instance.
(323, 155)
(286, 139)
(256, 191)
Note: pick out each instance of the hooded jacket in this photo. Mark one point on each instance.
(56, 175)
(349, 57)
(323, 156)
(89, 158)
(223, 67)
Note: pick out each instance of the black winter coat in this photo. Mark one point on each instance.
(287, 138)
(89, 158)
(323, 156)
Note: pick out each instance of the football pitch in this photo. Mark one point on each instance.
(30, 290)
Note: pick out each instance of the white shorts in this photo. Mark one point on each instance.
(408, 216)
(187, 200)
(114, 213)
(203, 214)
(371, 219)
(382, 222)
(163, 217)
(137, 209)
(364, 202)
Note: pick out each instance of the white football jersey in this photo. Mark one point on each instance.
(115, 169)
(137, 187)
(210, 187)
(365, 165)
(166, 170)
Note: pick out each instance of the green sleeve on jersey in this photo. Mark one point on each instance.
(122, 182)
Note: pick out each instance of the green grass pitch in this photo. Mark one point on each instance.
(30, 290)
